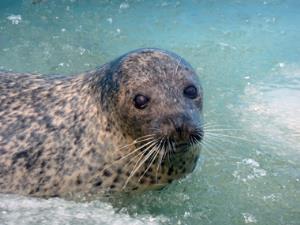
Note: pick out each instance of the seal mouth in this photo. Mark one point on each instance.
(182, 145)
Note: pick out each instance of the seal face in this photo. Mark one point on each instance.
(133, 124)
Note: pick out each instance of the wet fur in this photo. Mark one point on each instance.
(64, 135)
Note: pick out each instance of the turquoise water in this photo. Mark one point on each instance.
(247, 54)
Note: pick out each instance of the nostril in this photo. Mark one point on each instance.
(179, 130)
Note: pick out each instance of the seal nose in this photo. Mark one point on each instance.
(178, 127)
(179, 130)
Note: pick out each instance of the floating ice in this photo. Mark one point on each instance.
(82, 50)
(110, 20)
(250, 162)
(15, 19)
(248, 169)
(273, 107)
(249, 218)
(25, 211)
(124, 5)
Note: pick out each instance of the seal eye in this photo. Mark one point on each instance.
(190, 92)
(140, 101)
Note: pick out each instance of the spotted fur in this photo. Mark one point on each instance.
(64, 135)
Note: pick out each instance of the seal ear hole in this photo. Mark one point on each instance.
(190, 92)
(141, 101)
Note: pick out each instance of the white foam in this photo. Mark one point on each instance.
(124, 5)
(250, 162)
(248, 169)
(249, 218)
(15, 19)
(27, 211)
(272, 107)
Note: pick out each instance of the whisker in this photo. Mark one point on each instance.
(221, 129)
(138, 140)
(215, 139)
(228, 136)
(160, 147)
(131, 153)
(169, 149)
(213, 126)
(210, 148)
(138, 165)
(210, 144)
(156, 152)
(165, 147)
(135, 150)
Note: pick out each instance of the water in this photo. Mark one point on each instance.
(248, 56)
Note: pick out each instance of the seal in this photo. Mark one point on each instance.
(131, 125)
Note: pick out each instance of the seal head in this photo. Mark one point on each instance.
(156, 96)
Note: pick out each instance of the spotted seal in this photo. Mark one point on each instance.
(133, 124)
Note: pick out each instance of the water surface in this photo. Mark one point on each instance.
(247, 54)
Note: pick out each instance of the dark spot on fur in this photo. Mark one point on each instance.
(16, 107)
(75, 117)
(108, 128)
(43, 164)
(116, 180)
(106, 173)
(78, 180)
(137, 174)
(118, 158)
(147, 174)
(59, 113)
(2, 151)
(170, 171)
(142, 181)
(21, 137)
(152, 181)
(98, 183)
(119, 170)
(19, 155)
